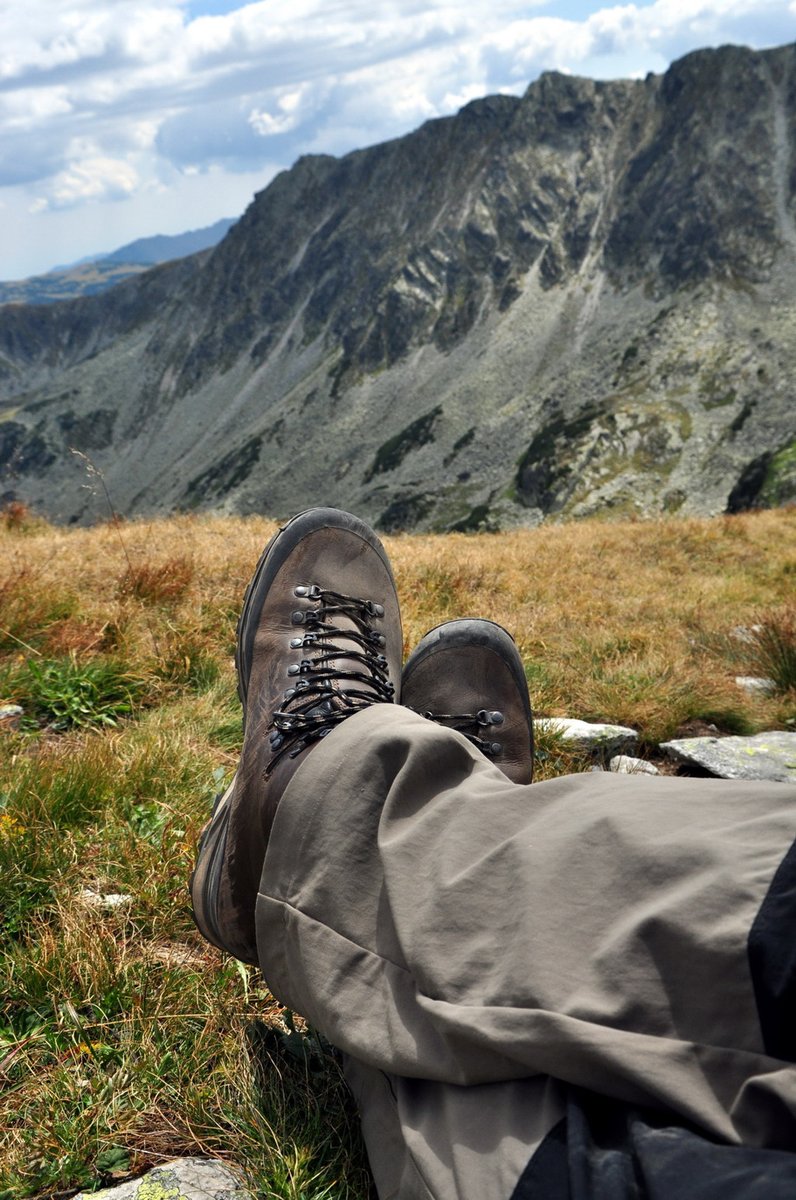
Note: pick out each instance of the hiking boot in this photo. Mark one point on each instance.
(468, 676)
(319, 639)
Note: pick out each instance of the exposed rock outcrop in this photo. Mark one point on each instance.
(770, 756)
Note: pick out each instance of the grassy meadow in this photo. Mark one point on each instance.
(125, 1040)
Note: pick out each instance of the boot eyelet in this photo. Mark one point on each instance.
(309, 591)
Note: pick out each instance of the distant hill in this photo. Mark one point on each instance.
(573, 303)
(92, 275)
(158, 249)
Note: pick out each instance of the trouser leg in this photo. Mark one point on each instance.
(437, 922)
(435, 1141)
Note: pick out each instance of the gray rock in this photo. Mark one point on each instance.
(181, 1179)
(587, 736)
(756, 686)
(10, 715)
(107, 900)
(770, 756)
(745, 633)
(625, 764)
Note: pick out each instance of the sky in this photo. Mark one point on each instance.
(121, 119)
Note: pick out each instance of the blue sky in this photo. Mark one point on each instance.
(124, 118)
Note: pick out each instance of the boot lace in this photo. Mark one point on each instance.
(466, 722)
(315, 703)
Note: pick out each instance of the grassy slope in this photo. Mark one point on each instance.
(124, 1039)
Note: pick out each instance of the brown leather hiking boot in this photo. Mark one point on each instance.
(468, 675)
(319, 638)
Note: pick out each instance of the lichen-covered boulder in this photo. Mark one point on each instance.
(770, 756)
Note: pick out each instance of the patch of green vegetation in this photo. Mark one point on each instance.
(779, 485)
(773, 648)
(458, 445)
(543, 467)
(726, 720)
(742, 417)
(722, 400)
(226, 474)
(459, 311)
(68, 693)
(673, 501)
(405, 512)
(685, 423)
(393, 452)
(622, 436)
(476, 521)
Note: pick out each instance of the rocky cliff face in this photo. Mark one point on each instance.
(576, 302)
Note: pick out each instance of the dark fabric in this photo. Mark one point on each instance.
(772, 962)
(547, 1174)
(605, 1150)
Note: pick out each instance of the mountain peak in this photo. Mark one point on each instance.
(579, 301)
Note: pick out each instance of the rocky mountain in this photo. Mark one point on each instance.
(92, 275)
(581, 301)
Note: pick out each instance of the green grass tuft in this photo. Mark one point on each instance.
(67, 693)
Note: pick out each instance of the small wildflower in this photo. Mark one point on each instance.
(10, 828)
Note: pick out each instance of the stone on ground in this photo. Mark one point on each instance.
(10, 717)
(770, 756)
(586, 736)
(625, 764)
(181, 1179)
(755, 685)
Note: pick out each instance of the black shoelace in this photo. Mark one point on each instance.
(315, 703)
(465, 722)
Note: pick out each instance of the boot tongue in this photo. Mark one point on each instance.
(326, 642)
(342, 670)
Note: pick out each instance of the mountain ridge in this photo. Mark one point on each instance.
(544, 306)
(98, 273)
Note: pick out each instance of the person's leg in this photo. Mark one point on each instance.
(436, 921)
(435, 1141)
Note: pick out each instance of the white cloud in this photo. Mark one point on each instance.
(29, 108)
(291, 105)
(90, 179)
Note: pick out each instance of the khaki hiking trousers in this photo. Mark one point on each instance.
(487, 955)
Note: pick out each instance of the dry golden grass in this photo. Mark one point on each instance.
(124, 1038)
(626, 621)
